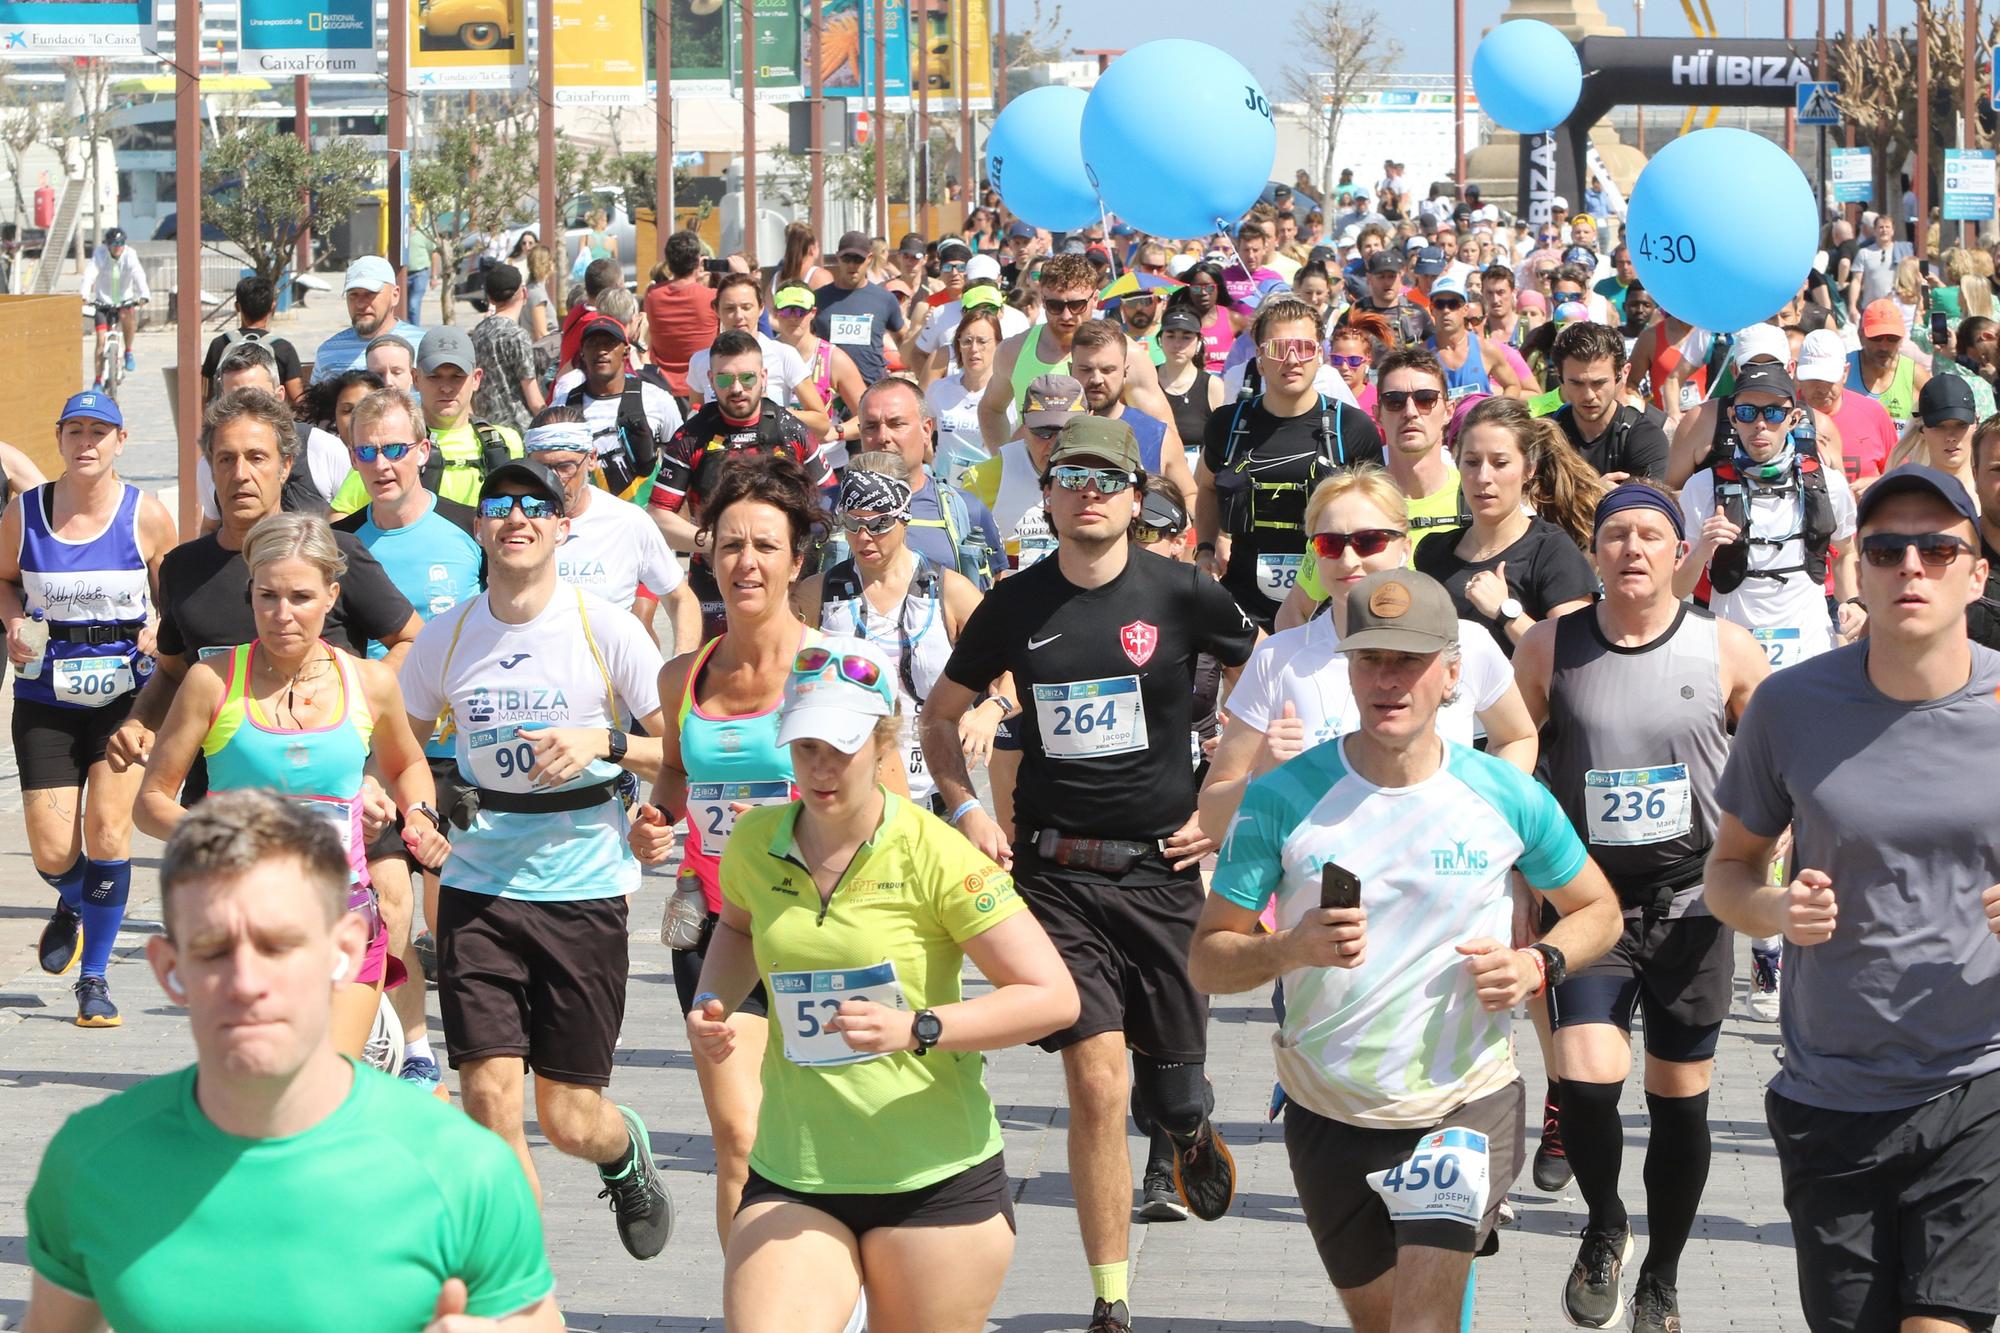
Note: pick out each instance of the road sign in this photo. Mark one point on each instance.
(1816, 104)
(1993, 78)
(1853, 175)
(1969, 182)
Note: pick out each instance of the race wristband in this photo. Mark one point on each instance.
(703, 999)
(1541, 970)
(963, 810)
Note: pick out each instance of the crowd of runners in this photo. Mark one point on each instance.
(1383, 601)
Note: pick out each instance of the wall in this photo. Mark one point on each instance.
(38, 345)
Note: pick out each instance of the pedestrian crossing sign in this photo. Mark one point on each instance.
(1816, 104)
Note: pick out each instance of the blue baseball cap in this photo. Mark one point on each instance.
(92, 406)
(1021, 231)
(1430, 261)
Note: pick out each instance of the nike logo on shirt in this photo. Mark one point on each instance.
(1034, 643)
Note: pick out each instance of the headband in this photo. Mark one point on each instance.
(873, 493)
(558, 435)
(1637, 495)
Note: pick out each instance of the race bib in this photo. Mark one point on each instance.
(1634, 806)
(91, 681)
(1277, 574)
(712, 808)
(500, 758)
(1091, 719)
(1690, 396)
(336, 815)
(1781, 646)
(853, 330)
(806, 1001)
(1444, 1180)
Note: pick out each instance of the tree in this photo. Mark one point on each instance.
(477, 180)
(1878, 90)
(1345, 50)
(24, 122)
(1043, 40)
(264, 190)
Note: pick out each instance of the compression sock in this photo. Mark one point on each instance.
(68, 884)
(1160, 1154)
(106, 887)
(1677, 1157)
(1595, 1141)
(1108, 1281)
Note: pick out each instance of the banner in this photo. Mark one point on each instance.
(33, 28)
(1853, 174)
(472, 44)
(702, 61)
(1969, 184)
(936, 55)
(778, 40)
(599, 53)
(844, 46)
(326, 38)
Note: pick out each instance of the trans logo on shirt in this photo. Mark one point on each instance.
(1459, 860)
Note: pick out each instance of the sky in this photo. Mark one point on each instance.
(1265, 44)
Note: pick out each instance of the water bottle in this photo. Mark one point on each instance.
(686, 917)
(36, 634)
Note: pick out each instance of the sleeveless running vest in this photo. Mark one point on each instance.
(915, 639)
(95, 596)
(1468, 378)
(320, 769)
(1899, 400)
(1029, 366)
(1639, 782)
(1191, 412)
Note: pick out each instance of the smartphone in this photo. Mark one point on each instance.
(1940, 330)
(1338, 888)
(715, 265)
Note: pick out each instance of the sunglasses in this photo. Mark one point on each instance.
(1146, 535)
(874, 527)
(1441, 304)
(1151, 268)
(1107, 481)
(1289, 349)
(792, 312)
(813, 661)
(1773, 414)
(1343, 361)
(1885, 550)
(531, 506)
(1366, 542)
(1567, 296)
(742, 379)
(1398, 399)
(953, 267)
(395, 453)
(1045, 432)
(1076, 307)
(852, 257)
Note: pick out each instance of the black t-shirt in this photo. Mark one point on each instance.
(1544, 569)
(1267, 528)
(289, 366)
(204, 602)
(1634, 442)
(1106, 676)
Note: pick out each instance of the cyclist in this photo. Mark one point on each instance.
(114, 287)
(83, 554)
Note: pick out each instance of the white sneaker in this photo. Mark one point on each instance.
(858, 1321)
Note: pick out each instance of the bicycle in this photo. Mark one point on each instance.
(111, 356)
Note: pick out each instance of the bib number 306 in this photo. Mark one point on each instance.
(1445, 1179)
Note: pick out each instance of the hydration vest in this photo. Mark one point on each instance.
(1240, 496)
(493, 452)
(1731, 564)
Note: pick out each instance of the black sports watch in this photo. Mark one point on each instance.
(1557, 964)
(928, 1029)
(616, 749)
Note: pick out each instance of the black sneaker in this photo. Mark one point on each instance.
(639, 1199)
(62, 941)
(1591, 1296)
(1551, 1162)
(1205, 1174)
(93, 1004)
(1158, 1200)
(1110, 1317)
(427, 956)
(1655, 1307)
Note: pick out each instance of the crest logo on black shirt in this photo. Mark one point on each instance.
(1139, 639)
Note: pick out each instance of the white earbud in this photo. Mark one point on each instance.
(340, 968)
(174, 987)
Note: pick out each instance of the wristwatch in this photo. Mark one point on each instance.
(928, 1029)
(428, 812)
(615, 751)
(1007, 706)
(1558, 965)
(1511, 610)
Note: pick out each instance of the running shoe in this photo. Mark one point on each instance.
(130, 364)
(1110, 1317)
(1591, 1297)
(1158, 1200)
(1205, 1174)
(639, 1198)
(421, 1073)
(62, 940)
(1655, 1307)
(1764, 969)
(93, 1004)
(1551, 1162)
(427, 956)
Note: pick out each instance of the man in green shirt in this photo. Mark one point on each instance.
(356, 1200)
(463, 449)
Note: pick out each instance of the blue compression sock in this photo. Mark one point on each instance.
(68, 884)
(107, 885)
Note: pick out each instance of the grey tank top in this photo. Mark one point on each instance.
(1634, 748)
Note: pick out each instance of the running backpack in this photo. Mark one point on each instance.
(1731, 564)
(1240, 497)
(493, 452)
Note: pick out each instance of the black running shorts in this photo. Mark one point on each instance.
(971, 1196)
(56, 746)
(1681, 970)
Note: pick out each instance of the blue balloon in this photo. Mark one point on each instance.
(1527, 76)
(1179, 136)
(1034, 159)
(1688, 239)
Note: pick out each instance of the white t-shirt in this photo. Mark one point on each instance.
(1302, 666)
(601, 414)
(326, 460)
(784, 370)
(1008, 486)
(613, 547)
(1788, 615)
(957, 409)
(943, 323)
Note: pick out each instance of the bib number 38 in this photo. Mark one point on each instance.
(1445, 1179)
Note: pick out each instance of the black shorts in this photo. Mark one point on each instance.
(55, 746)
(1007, 736)
(687, 977)
(971, 1196)
(1681, 970)
(544, 981)
(1350, 1224)
(1127, 949)
(1894, 1212)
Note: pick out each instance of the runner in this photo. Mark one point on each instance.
(834, 374)
(1408, 324)
(1706, 435)
(1098, 358)
(1867, 435)
(323, 464)
(79, 571)
(1470, 366)
(1880, 369)
(854, 314)
(954, 399)
(739, 305)
(254, 300)
(1942, 438)
(1105, 837)
(1193, 393)
(1010, 484)
(1638, 786)
(373, 297)
(879, 1164)
(1428, 835)
(948, 526)
(630, 418)
(291, 714)
(531, 924)
(272, 1142)
(1886, 1108)
(1621, 441)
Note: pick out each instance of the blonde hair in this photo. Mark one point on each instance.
(1975, 295)
(1909, 281)
(1367, 480)
(541, 266)
(284, 536)
(378, 403)
(883, 463)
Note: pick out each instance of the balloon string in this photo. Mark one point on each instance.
(1104, 220)
(1235, 255)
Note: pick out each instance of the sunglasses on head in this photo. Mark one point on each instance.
(395, 453)
(813, 661)
(1937, 550)
(1773, 413)
(531, 506)
(1289, 349)
(1366, 542)
(874, 527)
(1075, 307)
(744, 379)
(1398, 399)
(1106, 481)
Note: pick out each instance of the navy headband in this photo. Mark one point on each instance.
(1637, 495)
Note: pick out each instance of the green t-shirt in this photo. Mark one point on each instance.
(914, 893)
(459, 447)
(167, 1223)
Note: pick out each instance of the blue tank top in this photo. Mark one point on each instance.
(94, 589)
(1468, 378)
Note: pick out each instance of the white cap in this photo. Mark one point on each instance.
(827, 703)
(1767, 340)
(1560, 202)
(1823, 356)
(1180, 264)
(982, 268)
